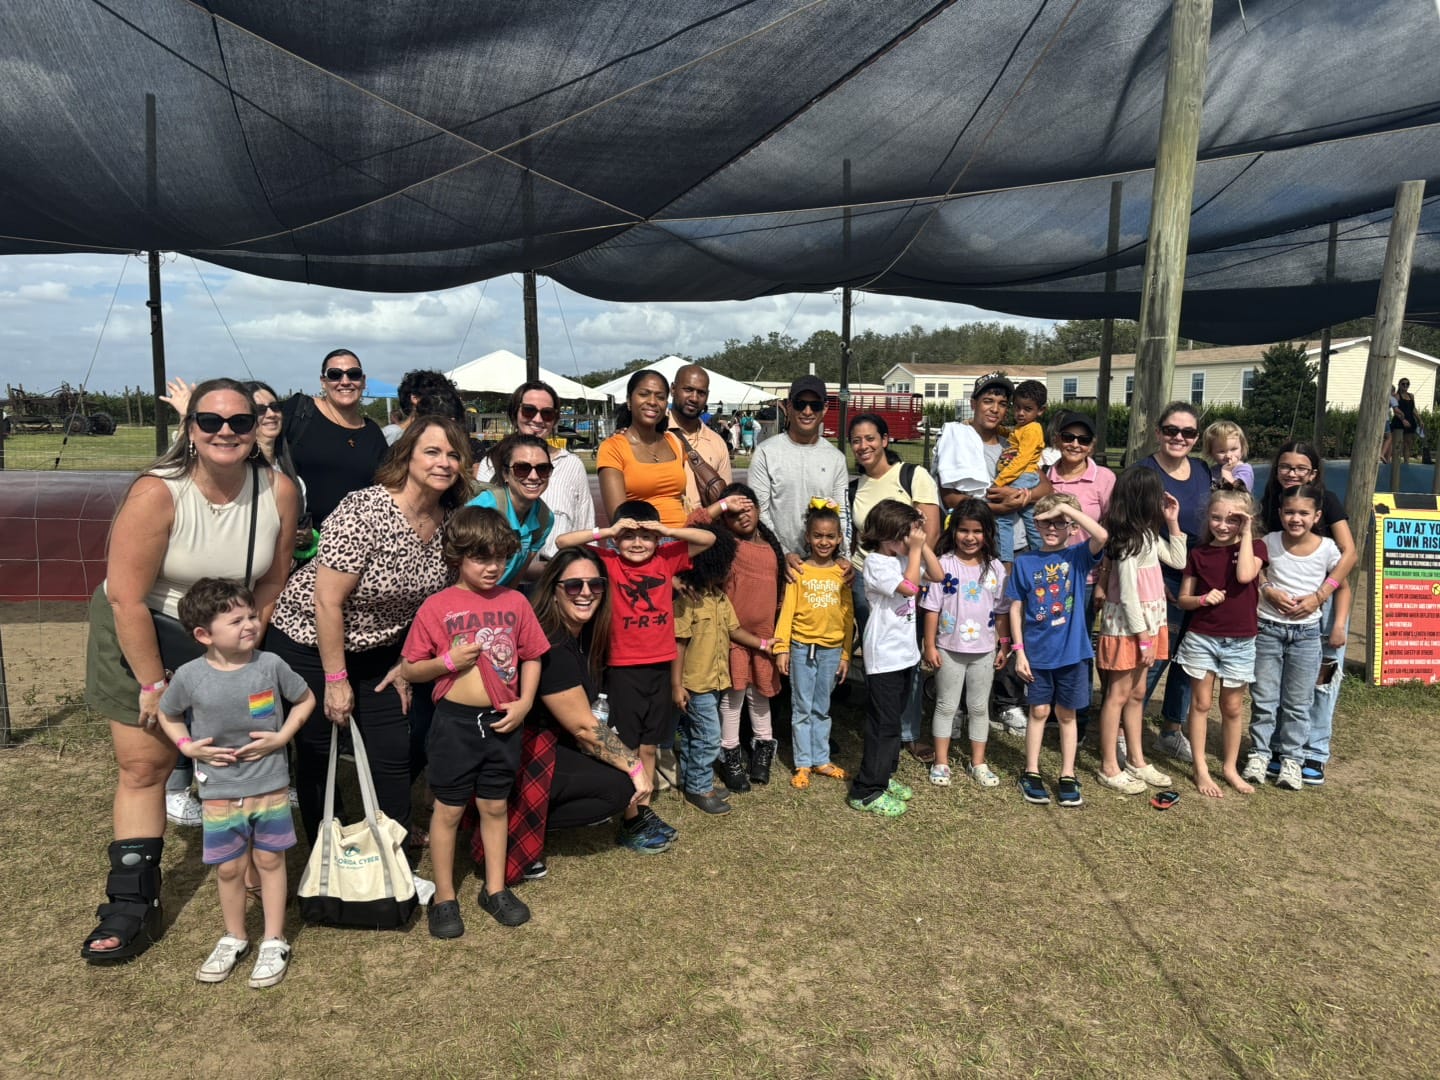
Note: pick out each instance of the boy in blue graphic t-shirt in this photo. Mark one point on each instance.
(1052, 635)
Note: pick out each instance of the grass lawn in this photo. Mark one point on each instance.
(1277, 935)
(130, 449)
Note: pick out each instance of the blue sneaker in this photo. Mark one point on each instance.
(1067, 792)
(1312, 773)
(1273, 769)
(653, 820)
(639, 837)
(1032, 786)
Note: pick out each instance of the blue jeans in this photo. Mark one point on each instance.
(1005, 523)
(913, 712)
(1287, 660)
(701, 745)
(811, 680)
(1322, 712)
(1175, 708)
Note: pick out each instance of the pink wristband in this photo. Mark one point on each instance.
(637, 769)
(1019, 646)
(155, 688)
(596, 534)
(180, 742)
(1332, 583)
(449, 664)
(337, 676)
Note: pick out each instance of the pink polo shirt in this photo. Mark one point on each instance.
(1092, 488)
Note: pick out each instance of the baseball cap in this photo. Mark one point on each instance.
(990, 383)
(1075, 419)
(813, 383)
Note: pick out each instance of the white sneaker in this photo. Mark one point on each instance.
(984, 776)
(1290, 776)
(1122, 782)
(270, 963)
(1174, 745)
(221, 961)
(1015, 720)
(1254, 771)
(183, 808)
(1149, 774)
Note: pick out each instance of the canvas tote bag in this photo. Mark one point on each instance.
(357, 874)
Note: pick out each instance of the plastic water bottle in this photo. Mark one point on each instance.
(601, 709)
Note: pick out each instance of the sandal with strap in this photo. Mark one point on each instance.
(921, 751)
(801, 780)
(833, 771)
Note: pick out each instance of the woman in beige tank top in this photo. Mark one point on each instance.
(187, 517)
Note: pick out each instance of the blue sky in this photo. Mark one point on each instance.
(52, 309)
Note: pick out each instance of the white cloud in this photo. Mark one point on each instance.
(54, 308)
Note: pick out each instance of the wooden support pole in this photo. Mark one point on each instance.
(1380, 368)
(1322, 370)
(1107, 330)
(1169, 219)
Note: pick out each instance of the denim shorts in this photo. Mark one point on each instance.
(1233, 659)
(1068, 687)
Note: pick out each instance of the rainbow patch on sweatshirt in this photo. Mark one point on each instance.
(262, 705)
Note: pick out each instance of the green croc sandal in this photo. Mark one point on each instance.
(883, 804)
(897, 790)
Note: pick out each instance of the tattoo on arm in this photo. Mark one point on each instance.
(604, 745)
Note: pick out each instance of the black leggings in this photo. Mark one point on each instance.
(585, 790)
(385, 728)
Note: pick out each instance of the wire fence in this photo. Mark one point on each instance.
(129, 449)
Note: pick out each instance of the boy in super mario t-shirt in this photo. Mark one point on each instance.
(481, 645)
(642, 630)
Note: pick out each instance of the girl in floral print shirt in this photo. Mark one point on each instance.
(960, 636)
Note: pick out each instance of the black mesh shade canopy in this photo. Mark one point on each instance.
(681, 150)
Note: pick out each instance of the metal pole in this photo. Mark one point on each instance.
(4, 695)
(1322, 372)
(1380, 368)
(1169, 219)
(1107, 330)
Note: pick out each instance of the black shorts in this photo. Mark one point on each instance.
(468, 758)
(640, 703)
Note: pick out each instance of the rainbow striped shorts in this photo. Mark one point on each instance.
(233, 826)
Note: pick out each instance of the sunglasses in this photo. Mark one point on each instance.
(1076, 437)
(211, 422)
(523, 469)
(336, 374)
(269, 406)
(1170, 431)
(808, 405)
(574, 586)
(529, 412)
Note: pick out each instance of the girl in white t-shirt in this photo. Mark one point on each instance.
(894, 535)
(1287, 650)
(960, 638)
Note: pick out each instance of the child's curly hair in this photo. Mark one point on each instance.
(823, 513)
(710, 568)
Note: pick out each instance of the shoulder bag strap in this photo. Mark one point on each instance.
(371, 800)
(327, 830)
(254, 513)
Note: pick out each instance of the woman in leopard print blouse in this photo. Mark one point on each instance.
(343, 616)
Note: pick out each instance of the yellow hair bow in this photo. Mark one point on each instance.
(818, 503)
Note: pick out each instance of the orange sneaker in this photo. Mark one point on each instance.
(831, 770)
(801, 780)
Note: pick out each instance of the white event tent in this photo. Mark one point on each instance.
(724, 390)
(501, 371)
